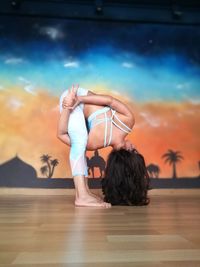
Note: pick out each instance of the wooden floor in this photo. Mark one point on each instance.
(48, 231)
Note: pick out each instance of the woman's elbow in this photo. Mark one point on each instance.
(110, 101)
(58, 136)
(132, 119)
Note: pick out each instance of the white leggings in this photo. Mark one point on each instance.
(78, 134)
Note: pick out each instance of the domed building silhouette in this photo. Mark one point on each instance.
(17, 173)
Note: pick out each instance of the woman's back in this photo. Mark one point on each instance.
(103, 134)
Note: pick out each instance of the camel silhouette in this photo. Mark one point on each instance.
(96, 161)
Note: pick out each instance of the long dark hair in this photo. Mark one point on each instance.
(126, 180)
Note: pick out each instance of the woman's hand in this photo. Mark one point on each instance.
(70, 101)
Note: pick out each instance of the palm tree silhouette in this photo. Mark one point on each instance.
(173, 157)
(153, 170)
(48, 169)
(44, 170)
(54, 163)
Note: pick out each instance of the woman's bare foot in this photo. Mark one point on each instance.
(90, 201)
(91, 193)
(96, 196)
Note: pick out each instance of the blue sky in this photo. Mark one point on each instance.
(146, 62)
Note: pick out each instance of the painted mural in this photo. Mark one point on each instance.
(153, 68)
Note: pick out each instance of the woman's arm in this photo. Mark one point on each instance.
(62, 127)
(106, 100)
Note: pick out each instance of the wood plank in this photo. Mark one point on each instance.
(107, 256)
(47, 230)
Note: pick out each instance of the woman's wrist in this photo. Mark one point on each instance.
(66, 107)
(79, 98)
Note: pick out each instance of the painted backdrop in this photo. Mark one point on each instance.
(154, 68)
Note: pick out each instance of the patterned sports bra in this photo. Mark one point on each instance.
(93, 121)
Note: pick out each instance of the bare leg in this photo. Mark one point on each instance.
(78, 135)
(83, 198)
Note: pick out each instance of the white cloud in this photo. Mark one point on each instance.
(194, 101)
(179, 86)
(182, 86)
(154, 122)
(15, 103)
(14, 60)
(71, 64)
(52, 32)
(127, 65)
(22, 79)
(29, 87)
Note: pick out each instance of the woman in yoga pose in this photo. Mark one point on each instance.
(92, 121)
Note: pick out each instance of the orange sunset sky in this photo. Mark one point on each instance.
(28, 129)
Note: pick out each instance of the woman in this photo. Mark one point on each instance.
(108, 122)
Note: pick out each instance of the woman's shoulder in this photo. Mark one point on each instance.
(128, 119)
